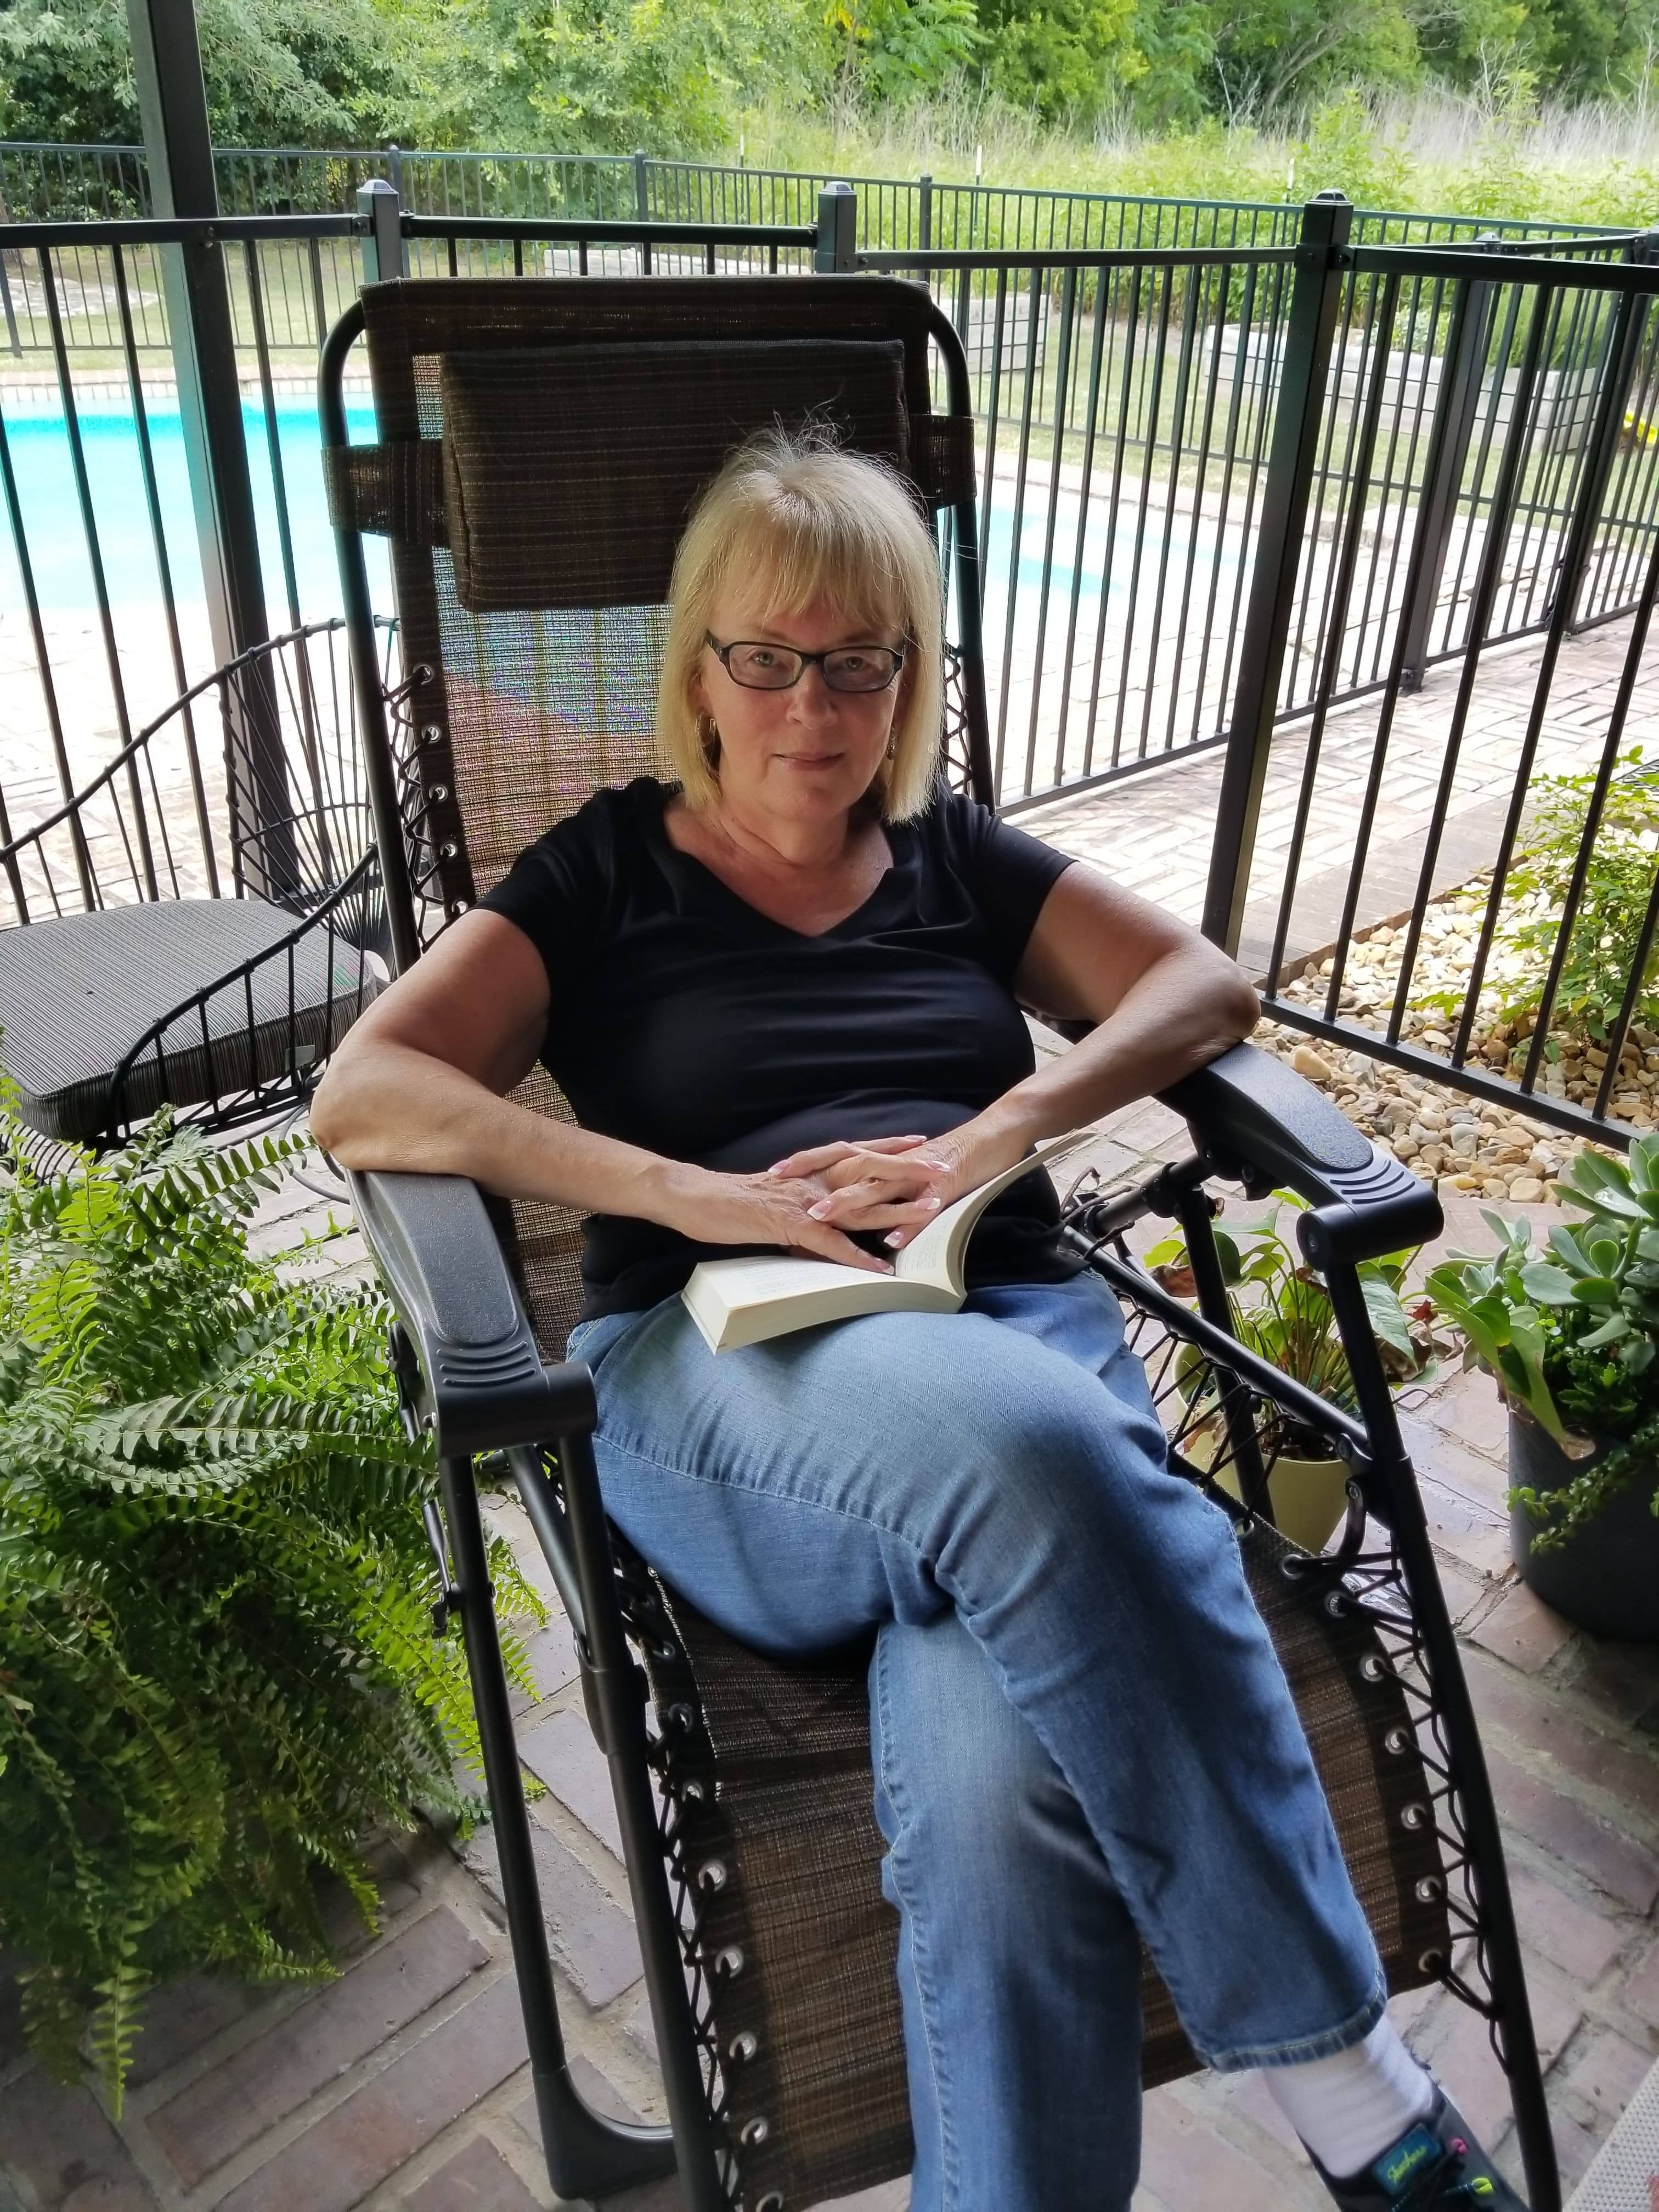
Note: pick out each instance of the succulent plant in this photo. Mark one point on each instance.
(1572, 1338)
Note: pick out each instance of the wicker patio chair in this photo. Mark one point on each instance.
(201, 921)
(538, 443)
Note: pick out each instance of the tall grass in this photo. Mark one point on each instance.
(1433, 152)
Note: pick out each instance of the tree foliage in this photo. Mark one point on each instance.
(278, 72)
(676, 76)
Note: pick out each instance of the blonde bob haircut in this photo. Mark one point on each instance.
(798, 520)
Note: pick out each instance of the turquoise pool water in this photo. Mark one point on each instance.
(63, 572)
(41, 462)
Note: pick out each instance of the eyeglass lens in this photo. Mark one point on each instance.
(778, 668)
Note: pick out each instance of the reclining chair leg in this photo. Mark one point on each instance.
(587, 2155)
(1210, 1286)
(1395, 1495)
(619, 1689)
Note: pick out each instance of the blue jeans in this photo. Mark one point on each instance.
(1081, 1734)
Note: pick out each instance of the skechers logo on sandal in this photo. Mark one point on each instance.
(1409, 2156)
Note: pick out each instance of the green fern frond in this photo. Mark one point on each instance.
(216, 1669)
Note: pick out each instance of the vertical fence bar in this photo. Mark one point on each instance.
(836, 251)
(1460, 383)
(1625, 357)
(95, 560)
(43, 664)
(163, 566)
(1314, 299)
(1610, 410)
(12, 338)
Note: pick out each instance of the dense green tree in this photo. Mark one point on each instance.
(894, 50)
(1275, 55)
(278, 72)
(603, 75)
(1061, 58)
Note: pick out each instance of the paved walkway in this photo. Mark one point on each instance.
(1152, 830)
(404, 2082)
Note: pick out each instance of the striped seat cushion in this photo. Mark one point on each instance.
(78, 992)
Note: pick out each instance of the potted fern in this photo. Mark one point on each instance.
(1281, 1310)
(1571, 1340)
(216, 1664)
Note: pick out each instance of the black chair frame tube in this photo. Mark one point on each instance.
(1514, 2039)
(358, 604)
(1386, 1476)
(587, 2153)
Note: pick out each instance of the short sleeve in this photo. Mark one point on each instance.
(559, 890)
(1009, 875)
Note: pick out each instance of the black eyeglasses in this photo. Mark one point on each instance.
(761, 667)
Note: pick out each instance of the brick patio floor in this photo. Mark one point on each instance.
(404, 2083)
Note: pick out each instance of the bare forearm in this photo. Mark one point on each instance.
(396, 1108)
(390, 1106)
(1185, 1010)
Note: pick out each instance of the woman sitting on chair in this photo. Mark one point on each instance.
(782, 992)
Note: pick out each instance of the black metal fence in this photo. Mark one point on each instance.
(1475, 462)
(45, 182)
(1493, 910)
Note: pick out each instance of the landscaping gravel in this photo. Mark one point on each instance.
(1498, 1152)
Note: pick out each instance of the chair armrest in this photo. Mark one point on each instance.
(483, 1386)
(1260, 1121)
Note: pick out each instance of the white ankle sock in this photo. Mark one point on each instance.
(1348, 2108)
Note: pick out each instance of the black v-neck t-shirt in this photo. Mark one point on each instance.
(684, 1020)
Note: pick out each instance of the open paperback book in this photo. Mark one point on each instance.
(745, 1301)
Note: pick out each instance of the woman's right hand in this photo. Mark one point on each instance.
(713, 1208)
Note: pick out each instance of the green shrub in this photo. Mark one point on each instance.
(1607, 927)
(1572, 1340)
(216, 1665)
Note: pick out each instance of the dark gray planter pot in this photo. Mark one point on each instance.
(1605, 1576)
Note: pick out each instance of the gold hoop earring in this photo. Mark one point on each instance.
(709, 738)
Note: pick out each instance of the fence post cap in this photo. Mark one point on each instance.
(1327, 219)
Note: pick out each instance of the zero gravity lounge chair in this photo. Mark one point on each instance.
(538, 443)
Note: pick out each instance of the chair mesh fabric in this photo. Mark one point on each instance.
(547, 416)
(524, 712)
(785, 1857)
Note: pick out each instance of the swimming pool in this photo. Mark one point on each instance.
(41, 462)
(62, 569)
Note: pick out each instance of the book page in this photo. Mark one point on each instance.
(745, 1301)
(937, 1252)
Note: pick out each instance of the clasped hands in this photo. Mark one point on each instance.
(810, 1201)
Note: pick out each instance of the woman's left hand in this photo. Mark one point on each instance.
(864, 1181)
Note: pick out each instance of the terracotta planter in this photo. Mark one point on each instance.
(1310, 1496)
(1605, 1576)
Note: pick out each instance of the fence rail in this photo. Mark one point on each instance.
(1475, 461)
(45, 182)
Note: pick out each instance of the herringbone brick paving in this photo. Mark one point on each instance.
(404, 2083)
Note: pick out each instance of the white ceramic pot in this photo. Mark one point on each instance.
(1309, 1497)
